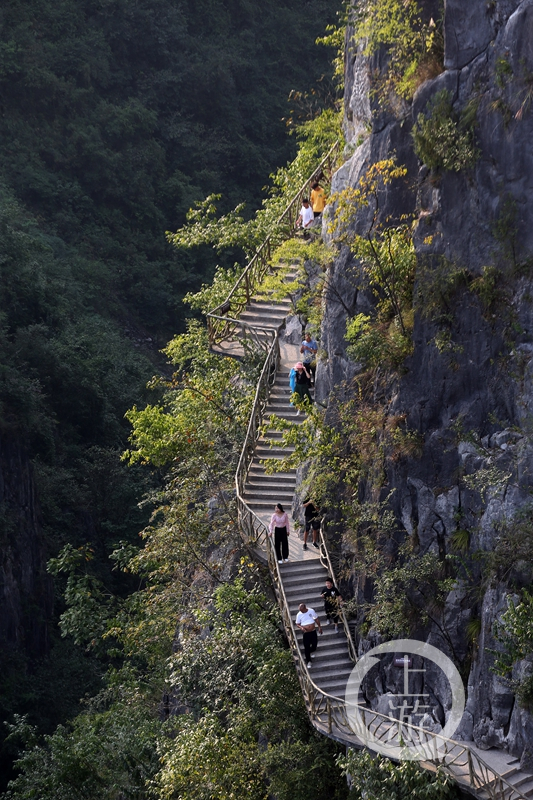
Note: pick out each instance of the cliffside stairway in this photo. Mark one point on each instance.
(257, 324)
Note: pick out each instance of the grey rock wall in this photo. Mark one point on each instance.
(485, 386)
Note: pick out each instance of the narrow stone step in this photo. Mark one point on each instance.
(284, 403)
(310, 595)
(267, 492)
(264, 441)
(290, 415)
(258, 322)
(270, 433)
(267, 312)
(257, 468)
(336, 649)
(266, 307)
(524, 783)
(293, 584)
(274, 316)
(269, 482)
(273, 452)
(332, 672)
(514, 770)
(312, 582)
(268, 499)
(312, 579)
(337, 688)
(278, 479)
(300, 572)
(272, 445)
(283, 396)
(266, 507)
(281, 477)
(336, 664)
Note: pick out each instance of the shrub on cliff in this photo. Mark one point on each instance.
(444, 139)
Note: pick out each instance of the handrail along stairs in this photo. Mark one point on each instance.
(222, 320)
(328, 713)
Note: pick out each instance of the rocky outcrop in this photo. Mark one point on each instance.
(471, 402)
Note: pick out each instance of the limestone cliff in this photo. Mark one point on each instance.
(471, 401)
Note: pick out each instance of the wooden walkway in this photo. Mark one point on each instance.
(489, 774)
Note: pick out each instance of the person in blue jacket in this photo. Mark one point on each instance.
(292, 380)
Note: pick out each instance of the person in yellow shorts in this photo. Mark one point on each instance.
(318, 199)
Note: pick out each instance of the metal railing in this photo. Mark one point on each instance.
(331, 715)
(326, 562)
(334, 717)
(253, 528)
(221, 320)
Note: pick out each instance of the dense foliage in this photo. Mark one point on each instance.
(413, 44)
(116, 116)
(380, 779)
(245, 732)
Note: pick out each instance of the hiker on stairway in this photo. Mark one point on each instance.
(292, 380)
(309, 349)
(307, 620)
(318, 199)
(332, 602)
(303, 382)
(312, 521)
(306, 215)
(279, 526)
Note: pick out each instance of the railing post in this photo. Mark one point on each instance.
(471, 769)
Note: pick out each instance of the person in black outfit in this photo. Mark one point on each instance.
(312, 522)
(332, 601)
(303, 382)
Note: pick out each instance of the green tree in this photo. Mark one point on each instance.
(376, 778)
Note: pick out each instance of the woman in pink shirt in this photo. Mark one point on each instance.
(279, 526)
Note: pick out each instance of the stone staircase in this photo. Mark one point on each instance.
(331, 667)
(263, 491)
(303, 577)
(260, 318)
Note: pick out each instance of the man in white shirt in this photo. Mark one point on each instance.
(306, 620)
(306, 215)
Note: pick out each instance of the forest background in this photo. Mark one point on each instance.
(115, 117)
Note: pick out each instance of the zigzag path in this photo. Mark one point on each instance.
(303, 577)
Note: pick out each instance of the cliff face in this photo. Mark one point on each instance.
(471, 401)
(26, 596)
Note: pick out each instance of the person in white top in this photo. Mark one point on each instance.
(306, 215)
(306, 619)
(279, 526)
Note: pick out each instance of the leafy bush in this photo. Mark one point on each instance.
(415, 48)
(379, 779)
(442, 139)
(514, 632)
